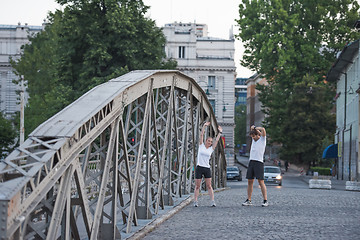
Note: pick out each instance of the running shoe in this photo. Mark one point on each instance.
(196, 204)
(213, 203)
(247, 203)
(265, 203)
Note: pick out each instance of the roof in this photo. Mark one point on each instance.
(13, 27)
(214, 39)
(344, 60)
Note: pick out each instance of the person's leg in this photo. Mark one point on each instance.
(250, 188)
(259, 175)
(198, 177)
(197, 189)
(209, 187)
(263, 188)
(250, 178)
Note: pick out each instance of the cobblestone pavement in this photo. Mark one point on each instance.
(294, 213)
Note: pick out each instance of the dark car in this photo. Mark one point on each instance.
(233, 173)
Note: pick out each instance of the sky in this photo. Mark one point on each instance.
(218, 15)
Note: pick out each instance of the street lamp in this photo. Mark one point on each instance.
(224, 105)
(206, 87)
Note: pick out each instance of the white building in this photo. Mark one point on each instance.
(345, 72)
(12, 37)
(210, 61)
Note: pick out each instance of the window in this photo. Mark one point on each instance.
(211, 82)
(181, 52)
(241, 99)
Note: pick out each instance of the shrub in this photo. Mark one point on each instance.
(321, 170)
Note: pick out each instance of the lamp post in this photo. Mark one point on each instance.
(223, 104)
(205, 85)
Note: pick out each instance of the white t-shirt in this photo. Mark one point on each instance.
(203, 156)
(258, 149)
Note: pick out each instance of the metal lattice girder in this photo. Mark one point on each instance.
(119, 153)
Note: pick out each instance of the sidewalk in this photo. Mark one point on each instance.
(147, 226)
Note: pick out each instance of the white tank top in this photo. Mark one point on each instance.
(203, 156)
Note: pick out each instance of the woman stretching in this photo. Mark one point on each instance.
(202, 164)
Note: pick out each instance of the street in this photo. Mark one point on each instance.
(294, 212)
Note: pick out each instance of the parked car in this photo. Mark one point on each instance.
(233, 173)
(272, 174)
(242, 151)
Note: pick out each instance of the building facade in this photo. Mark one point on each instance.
(346, 73)
(12, 37)
(240, 114)
(210, 61)
(255, 115)
(253, 107)
(240, 91)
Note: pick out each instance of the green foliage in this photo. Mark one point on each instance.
(7, 136)
(287, 37)
(240, 122)
(293, 45)
(307, 121)
(321, 170)
(86, 44)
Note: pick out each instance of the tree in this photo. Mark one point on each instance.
(240, 122)
(288, 42)
(86, 44)
(7, 136)
(308, 122)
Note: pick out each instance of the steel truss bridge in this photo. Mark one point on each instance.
(121, 152)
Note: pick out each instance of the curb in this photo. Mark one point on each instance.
(157, 221)
(303, 178)
(139, 234)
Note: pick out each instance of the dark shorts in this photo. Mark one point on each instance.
(200, 171)
(255, 170)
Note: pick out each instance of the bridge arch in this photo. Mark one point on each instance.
(121, 152)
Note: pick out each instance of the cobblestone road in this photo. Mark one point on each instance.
(294, 213)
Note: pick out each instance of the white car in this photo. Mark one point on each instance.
(272, 174)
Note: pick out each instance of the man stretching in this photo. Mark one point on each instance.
(256, 164)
